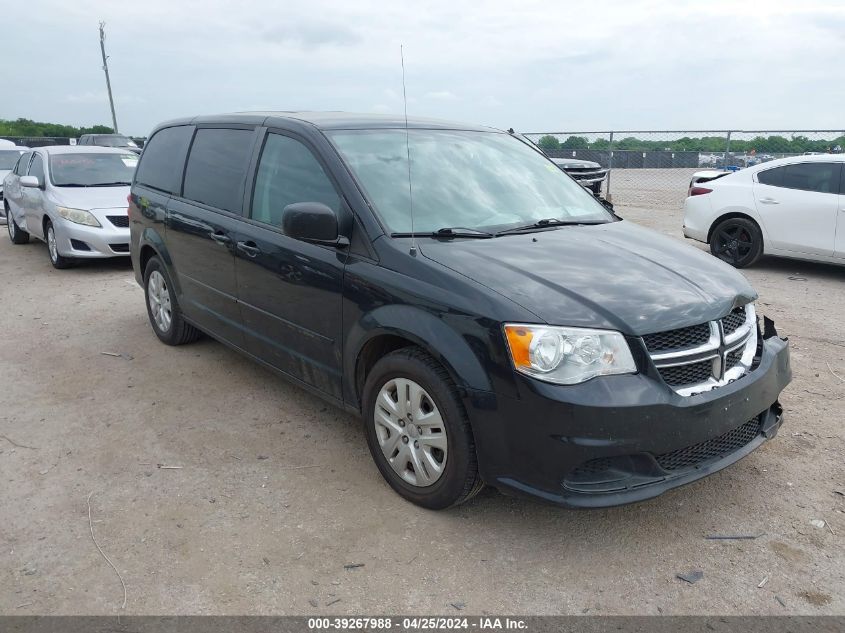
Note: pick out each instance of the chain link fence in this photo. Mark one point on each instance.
(653, 168)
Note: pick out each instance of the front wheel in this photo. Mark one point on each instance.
(418, 432)
(59, 261)
(737, 241)
(16, 233)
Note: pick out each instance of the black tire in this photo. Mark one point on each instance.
(16, 233)
(59, 261)
(737, 241)
(179, 332)
(459, 480)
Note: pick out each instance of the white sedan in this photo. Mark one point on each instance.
(791, 207)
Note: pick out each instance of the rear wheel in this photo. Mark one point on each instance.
(58, 261)
(163, 309)
(418, 432)
(16, 233)
(737, 241)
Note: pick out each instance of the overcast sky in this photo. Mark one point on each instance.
(535, 66)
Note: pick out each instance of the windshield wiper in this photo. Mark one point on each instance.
(460, 231)
(110, 184)
(71, 184)
(447, 232)
(548, 222)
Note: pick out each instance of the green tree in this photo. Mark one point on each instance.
(27, 127)
(575, 142)
(548, 142)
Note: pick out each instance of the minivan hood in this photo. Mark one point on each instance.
(616, 276)
(91, 197)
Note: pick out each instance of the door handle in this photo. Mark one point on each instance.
(249, 248)
(769, 201)
(220, 238)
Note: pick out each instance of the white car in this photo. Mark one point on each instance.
(790, 207)
(72, 198)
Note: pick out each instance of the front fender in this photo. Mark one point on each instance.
(422, 328)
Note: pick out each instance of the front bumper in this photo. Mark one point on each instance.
(621, 439)
(88, 242)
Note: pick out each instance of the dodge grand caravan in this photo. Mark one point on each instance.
(489, 320)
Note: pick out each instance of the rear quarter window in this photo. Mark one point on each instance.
(771, 177)
(163, 159)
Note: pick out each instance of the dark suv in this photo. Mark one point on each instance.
(485, 315)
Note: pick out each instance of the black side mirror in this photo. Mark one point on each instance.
(312, 222)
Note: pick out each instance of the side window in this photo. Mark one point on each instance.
(37, 168)
(23, 163)
(818, 177)
(288, 173)
(217, 167)
(163, 159)
(83, 140)
(771, 177)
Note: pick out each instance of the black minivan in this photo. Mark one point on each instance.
(489, 319)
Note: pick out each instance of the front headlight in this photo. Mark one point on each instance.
(567, 355)
(79, 216)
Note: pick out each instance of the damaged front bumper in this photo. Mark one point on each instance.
(622, 439)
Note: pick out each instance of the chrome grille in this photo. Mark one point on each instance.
(734, 320)
(678, 339)
(690, 374)
(702, 357)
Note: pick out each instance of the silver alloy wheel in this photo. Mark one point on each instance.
(411, 432)
(10, 224)
(51, 244)
(159, 298)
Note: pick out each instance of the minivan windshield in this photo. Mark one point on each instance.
(8, 158)
(92, 169)
(473, 180)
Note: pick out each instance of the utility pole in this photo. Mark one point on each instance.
(106, 70)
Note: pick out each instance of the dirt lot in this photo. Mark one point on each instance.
(276, 492)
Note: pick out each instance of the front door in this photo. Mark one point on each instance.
(290, 291)
(33, 198)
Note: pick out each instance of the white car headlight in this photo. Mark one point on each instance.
(79, 216)
(567, 355)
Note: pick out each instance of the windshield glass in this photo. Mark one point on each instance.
(114, 141)
(477, 180)
(8, 158)
(91, 170)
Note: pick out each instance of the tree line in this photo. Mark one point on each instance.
(714, 144)
(26, 127)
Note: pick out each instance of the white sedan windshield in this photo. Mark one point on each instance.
(476, 180)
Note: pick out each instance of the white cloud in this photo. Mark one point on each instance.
(532, 65)
(440, 95)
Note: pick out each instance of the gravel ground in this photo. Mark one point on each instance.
(275, 493)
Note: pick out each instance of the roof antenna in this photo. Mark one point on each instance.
(413, 251)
